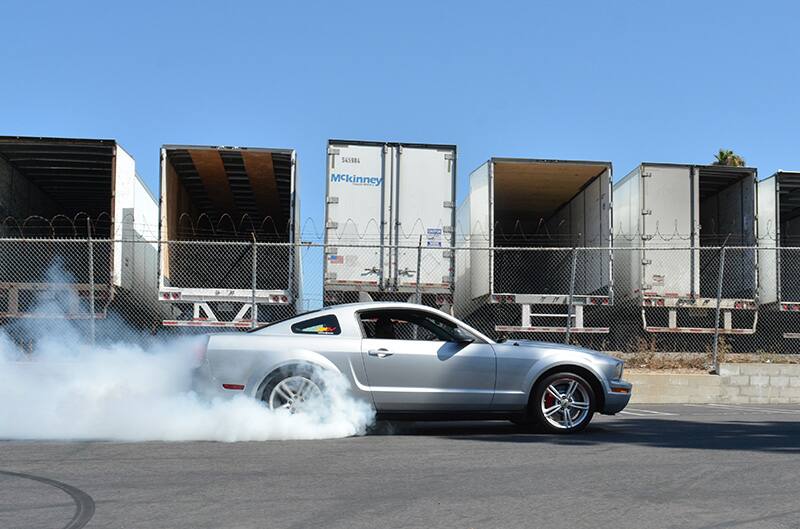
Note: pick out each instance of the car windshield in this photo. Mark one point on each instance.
(293, 316)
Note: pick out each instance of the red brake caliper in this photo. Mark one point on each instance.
(549, 400)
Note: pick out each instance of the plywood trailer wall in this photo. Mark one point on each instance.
(226, 194)
(221, 193)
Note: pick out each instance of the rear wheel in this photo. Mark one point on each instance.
(293, 390)
(563, 403)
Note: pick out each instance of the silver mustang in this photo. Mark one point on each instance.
(415, 362)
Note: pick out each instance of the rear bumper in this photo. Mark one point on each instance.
(618, 397)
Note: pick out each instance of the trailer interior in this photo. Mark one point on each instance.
(226, 194)
(789, 204)
(789, 215)
(539, 204)
(727, 218)
(53, 188)
(50, 186)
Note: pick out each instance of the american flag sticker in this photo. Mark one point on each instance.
(336, 259)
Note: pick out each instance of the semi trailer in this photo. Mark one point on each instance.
(779, 242)
(517, 230)
(228, 234)
(54, 194)
(389, 222)
(672, 220)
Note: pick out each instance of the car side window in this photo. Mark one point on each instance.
(323, 325)
(406, 325)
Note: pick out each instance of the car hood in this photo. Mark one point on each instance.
(560, 347)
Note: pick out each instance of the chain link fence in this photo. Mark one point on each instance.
(623, 299)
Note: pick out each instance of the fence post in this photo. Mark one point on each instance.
(91, 280)
(571, 294)
(254, 306)
(715, 349)
(419, 265)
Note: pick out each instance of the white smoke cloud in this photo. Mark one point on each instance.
(66, 388)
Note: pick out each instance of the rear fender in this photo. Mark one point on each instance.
(291, 358)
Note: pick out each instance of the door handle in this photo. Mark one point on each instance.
(380, 353)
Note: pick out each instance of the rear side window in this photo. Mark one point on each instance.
(322, 325)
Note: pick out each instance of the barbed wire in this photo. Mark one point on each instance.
(226, 227)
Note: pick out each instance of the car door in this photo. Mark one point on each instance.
(416, 360)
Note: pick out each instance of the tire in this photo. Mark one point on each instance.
(571, 411)
(292, 389)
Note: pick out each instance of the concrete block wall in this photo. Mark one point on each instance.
(674, 388)
(735, 384)
(761, 383)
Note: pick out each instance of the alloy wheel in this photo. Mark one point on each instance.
(565, 403)
(294, 394)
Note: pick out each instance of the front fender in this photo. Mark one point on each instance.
(546, 364)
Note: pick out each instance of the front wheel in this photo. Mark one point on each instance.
(563, 403)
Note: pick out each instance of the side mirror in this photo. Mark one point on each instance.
(462, 336)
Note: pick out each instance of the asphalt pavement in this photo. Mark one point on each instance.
(653, 466)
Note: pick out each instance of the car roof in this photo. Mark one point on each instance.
(379, 305)
(345, 308)
(351, 308)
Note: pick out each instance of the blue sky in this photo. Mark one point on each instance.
(619, 81)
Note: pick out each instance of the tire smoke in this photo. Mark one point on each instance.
(139, 389)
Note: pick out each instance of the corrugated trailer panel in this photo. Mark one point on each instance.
(356, 214)
(136, 221)
(768, 291)
(668, 210)
(425, 213)
(384, 200)
(462, 289)
(480, 203)
(596, 263)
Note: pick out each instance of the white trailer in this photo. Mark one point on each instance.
(56, 188)
(666, 214)
(389, 220)
(779, 242)
(519, 223)
(217, 204)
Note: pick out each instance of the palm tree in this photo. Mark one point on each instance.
(729, 158)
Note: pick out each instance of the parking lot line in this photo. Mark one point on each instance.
(744, 408)
(644, 413)
(753, 408)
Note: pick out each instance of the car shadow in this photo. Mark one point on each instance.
(762, 436)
